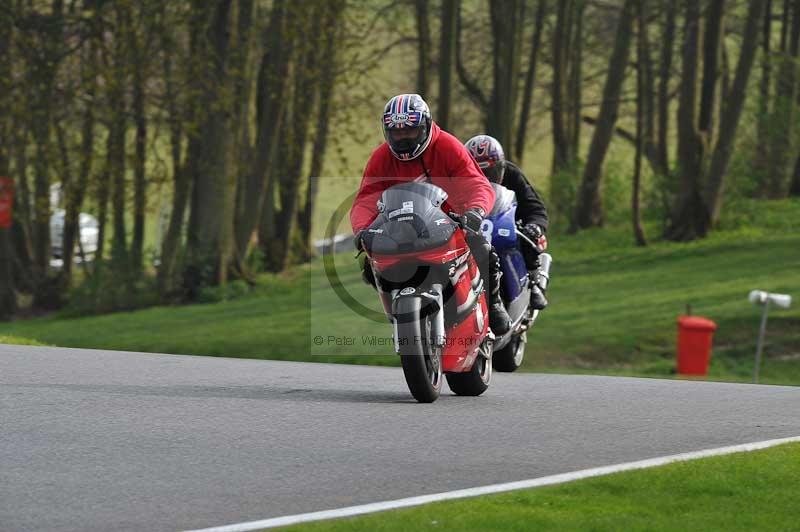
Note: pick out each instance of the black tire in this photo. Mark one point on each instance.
(510, 357)
(475, 381)
(422, 362)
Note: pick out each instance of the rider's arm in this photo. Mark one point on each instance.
(365, 209)
(473, 190)
(530, 207)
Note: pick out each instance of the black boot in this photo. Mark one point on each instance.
(538, 287)
(489, 266)
(499, 320)
(538, 300)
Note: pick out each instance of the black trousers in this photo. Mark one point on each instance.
(488, 261)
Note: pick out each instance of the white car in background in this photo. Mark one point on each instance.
(88, 229)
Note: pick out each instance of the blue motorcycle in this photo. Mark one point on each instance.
(501, 230)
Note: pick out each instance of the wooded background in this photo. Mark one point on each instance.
(230, 111)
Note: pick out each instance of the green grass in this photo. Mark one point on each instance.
(15, 340)
(751, 491)
(613, 308)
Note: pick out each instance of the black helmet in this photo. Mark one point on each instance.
(489, 154)
(407, 126)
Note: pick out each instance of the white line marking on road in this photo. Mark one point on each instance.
(351, 511)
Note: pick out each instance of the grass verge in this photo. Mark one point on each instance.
(15, 340)
(749, 491)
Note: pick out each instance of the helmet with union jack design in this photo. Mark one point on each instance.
(407, 126)
(489, 154)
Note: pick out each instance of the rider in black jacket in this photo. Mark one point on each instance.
(531, 211)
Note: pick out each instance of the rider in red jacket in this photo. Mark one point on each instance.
(416, 149)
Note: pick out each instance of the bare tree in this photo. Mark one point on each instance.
(589, 211)
(331, 22)
(761, 159)
(8, 297)
(447, 58)
(530, 78)
(643, 107)
(699, 200)
(562, 158)
(423, 46)
(783, 130)
(209, 244)
(664, 76)
(271, 97)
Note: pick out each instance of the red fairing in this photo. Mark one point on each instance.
(439, 255)
(464, 339)
(449, 165)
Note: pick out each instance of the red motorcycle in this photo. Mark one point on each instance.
(431, 292)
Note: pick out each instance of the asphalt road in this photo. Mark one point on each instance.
(100, 440)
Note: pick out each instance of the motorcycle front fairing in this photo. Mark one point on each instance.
(416, 250)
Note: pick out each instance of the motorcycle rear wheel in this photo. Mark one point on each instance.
(475, 381)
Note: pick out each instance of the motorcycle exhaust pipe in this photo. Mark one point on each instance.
(545, 261)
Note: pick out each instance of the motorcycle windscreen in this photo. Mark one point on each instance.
(504, 199)
(410, 220)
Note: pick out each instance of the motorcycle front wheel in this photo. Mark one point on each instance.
(421, 360)
(510, 357)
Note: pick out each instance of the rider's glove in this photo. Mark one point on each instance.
(536, 234)
(359, 240)
(533, 231)
(472, 220)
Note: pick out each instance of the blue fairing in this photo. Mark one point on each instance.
(500, 229)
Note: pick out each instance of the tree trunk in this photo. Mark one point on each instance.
(685, 222)
(643, 107)
(730, 120)
(665, 74)
(139, 178)
(307, 21)
(761, 160)
(76, 193)
(576, 81)
(242, 96)
(208, 244)
(712, 49)
(117, 84)
(473, 90)
(561, 155)
(41, 122)
(530, 78)
(116, 168)
(271, 99)
(783, 127)
(8, 297)
(589, 212)
(506, 24)
(423, 45)
(447, 50)
(103, 194)
(327, 81)
(171, 243)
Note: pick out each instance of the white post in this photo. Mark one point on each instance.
(759, 297)
(760, 344)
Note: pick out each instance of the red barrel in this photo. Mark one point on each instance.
(695, 336)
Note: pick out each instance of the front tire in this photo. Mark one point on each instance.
(475, 381)
(421, 360)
